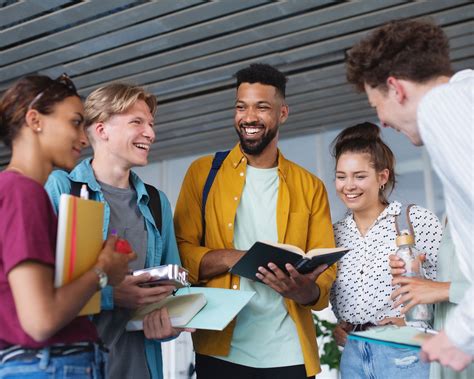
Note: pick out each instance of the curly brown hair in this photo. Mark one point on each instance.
(416, 50)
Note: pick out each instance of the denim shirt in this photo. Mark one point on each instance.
(161, 249)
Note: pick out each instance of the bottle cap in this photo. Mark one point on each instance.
(405, 239)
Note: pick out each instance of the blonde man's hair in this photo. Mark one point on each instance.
(115, 98)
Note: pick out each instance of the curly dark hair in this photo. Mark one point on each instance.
(31, 92)
(365, 138)
(416, 50)
(264, 74)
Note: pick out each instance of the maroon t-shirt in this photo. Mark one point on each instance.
(28, 227)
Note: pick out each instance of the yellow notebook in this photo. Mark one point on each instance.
(79, 242)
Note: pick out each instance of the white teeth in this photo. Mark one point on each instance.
(251, 130)
(142, 146)
(352, 196)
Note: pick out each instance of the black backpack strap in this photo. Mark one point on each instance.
(76, 188)
(154, 204)
(219, 158)
(404, 223)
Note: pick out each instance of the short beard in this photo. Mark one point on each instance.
(256, 147)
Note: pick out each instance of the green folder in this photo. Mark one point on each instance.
(404, 337)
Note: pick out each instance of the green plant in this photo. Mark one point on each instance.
(329, 350)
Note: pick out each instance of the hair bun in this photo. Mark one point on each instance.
(366, 131)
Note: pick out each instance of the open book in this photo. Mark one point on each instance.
(219, 309)
(396, 336)
(79, 242)
(262, 253)
(181, 309)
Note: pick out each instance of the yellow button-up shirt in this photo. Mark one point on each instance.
(303, 220)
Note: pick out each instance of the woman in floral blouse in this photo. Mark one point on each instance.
(360, 296)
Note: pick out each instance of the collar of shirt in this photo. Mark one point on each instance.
(237, 157)
(461, 75)
(84, 173)
(392, 209)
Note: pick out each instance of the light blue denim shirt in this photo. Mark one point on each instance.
(161, 249)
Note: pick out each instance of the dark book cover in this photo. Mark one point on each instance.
(260, 254)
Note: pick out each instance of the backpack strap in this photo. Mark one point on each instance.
(219, 158)
(154, 204)
(404, 223)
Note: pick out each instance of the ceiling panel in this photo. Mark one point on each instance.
(187, 51)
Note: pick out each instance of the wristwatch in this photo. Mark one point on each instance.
(103, 279)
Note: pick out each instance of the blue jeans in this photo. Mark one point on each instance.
(374, 361)
(80, 366)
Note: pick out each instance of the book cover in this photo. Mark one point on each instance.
(79, 242)
(261, 253)
(392, 335)
(222, 306)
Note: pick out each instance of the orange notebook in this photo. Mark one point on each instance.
(79, 242)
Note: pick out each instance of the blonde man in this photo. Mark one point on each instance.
(119, 124)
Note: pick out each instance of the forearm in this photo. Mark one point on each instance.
(217, 262)
(42, 309)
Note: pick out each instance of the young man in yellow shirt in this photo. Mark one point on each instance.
(257, 194)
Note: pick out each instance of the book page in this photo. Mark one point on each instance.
(292, 248)
(314, 252)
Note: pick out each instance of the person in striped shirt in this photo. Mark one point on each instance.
(404, 68)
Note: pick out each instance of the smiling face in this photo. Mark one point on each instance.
(259, 110)
(395, 110)
(128, 136)
(357, 182)
(62, 137)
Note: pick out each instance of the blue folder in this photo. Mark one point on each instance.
(404, 337)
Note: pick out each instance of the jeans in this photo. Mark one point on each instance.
(80, 366)
(374, 361)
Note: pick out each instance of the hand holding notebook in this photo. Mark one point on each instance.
(262, 253)
(198, 308)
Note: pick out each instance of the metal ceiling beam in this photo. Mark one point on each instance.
(57, 20)
(26, 9)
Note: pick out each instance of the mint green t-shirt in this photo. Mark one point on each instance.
(265, 335)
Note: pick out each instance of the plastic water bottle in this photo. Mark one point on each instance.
(413, 268)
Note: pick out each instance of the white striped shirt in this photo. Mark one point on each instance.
(446, 123)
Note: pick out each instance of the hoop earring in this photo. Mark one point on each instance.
(382, 187)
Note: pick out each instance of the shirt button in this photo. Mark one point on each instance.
(229, 225)
(241, 174)
(234, 286)
(236, 198)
